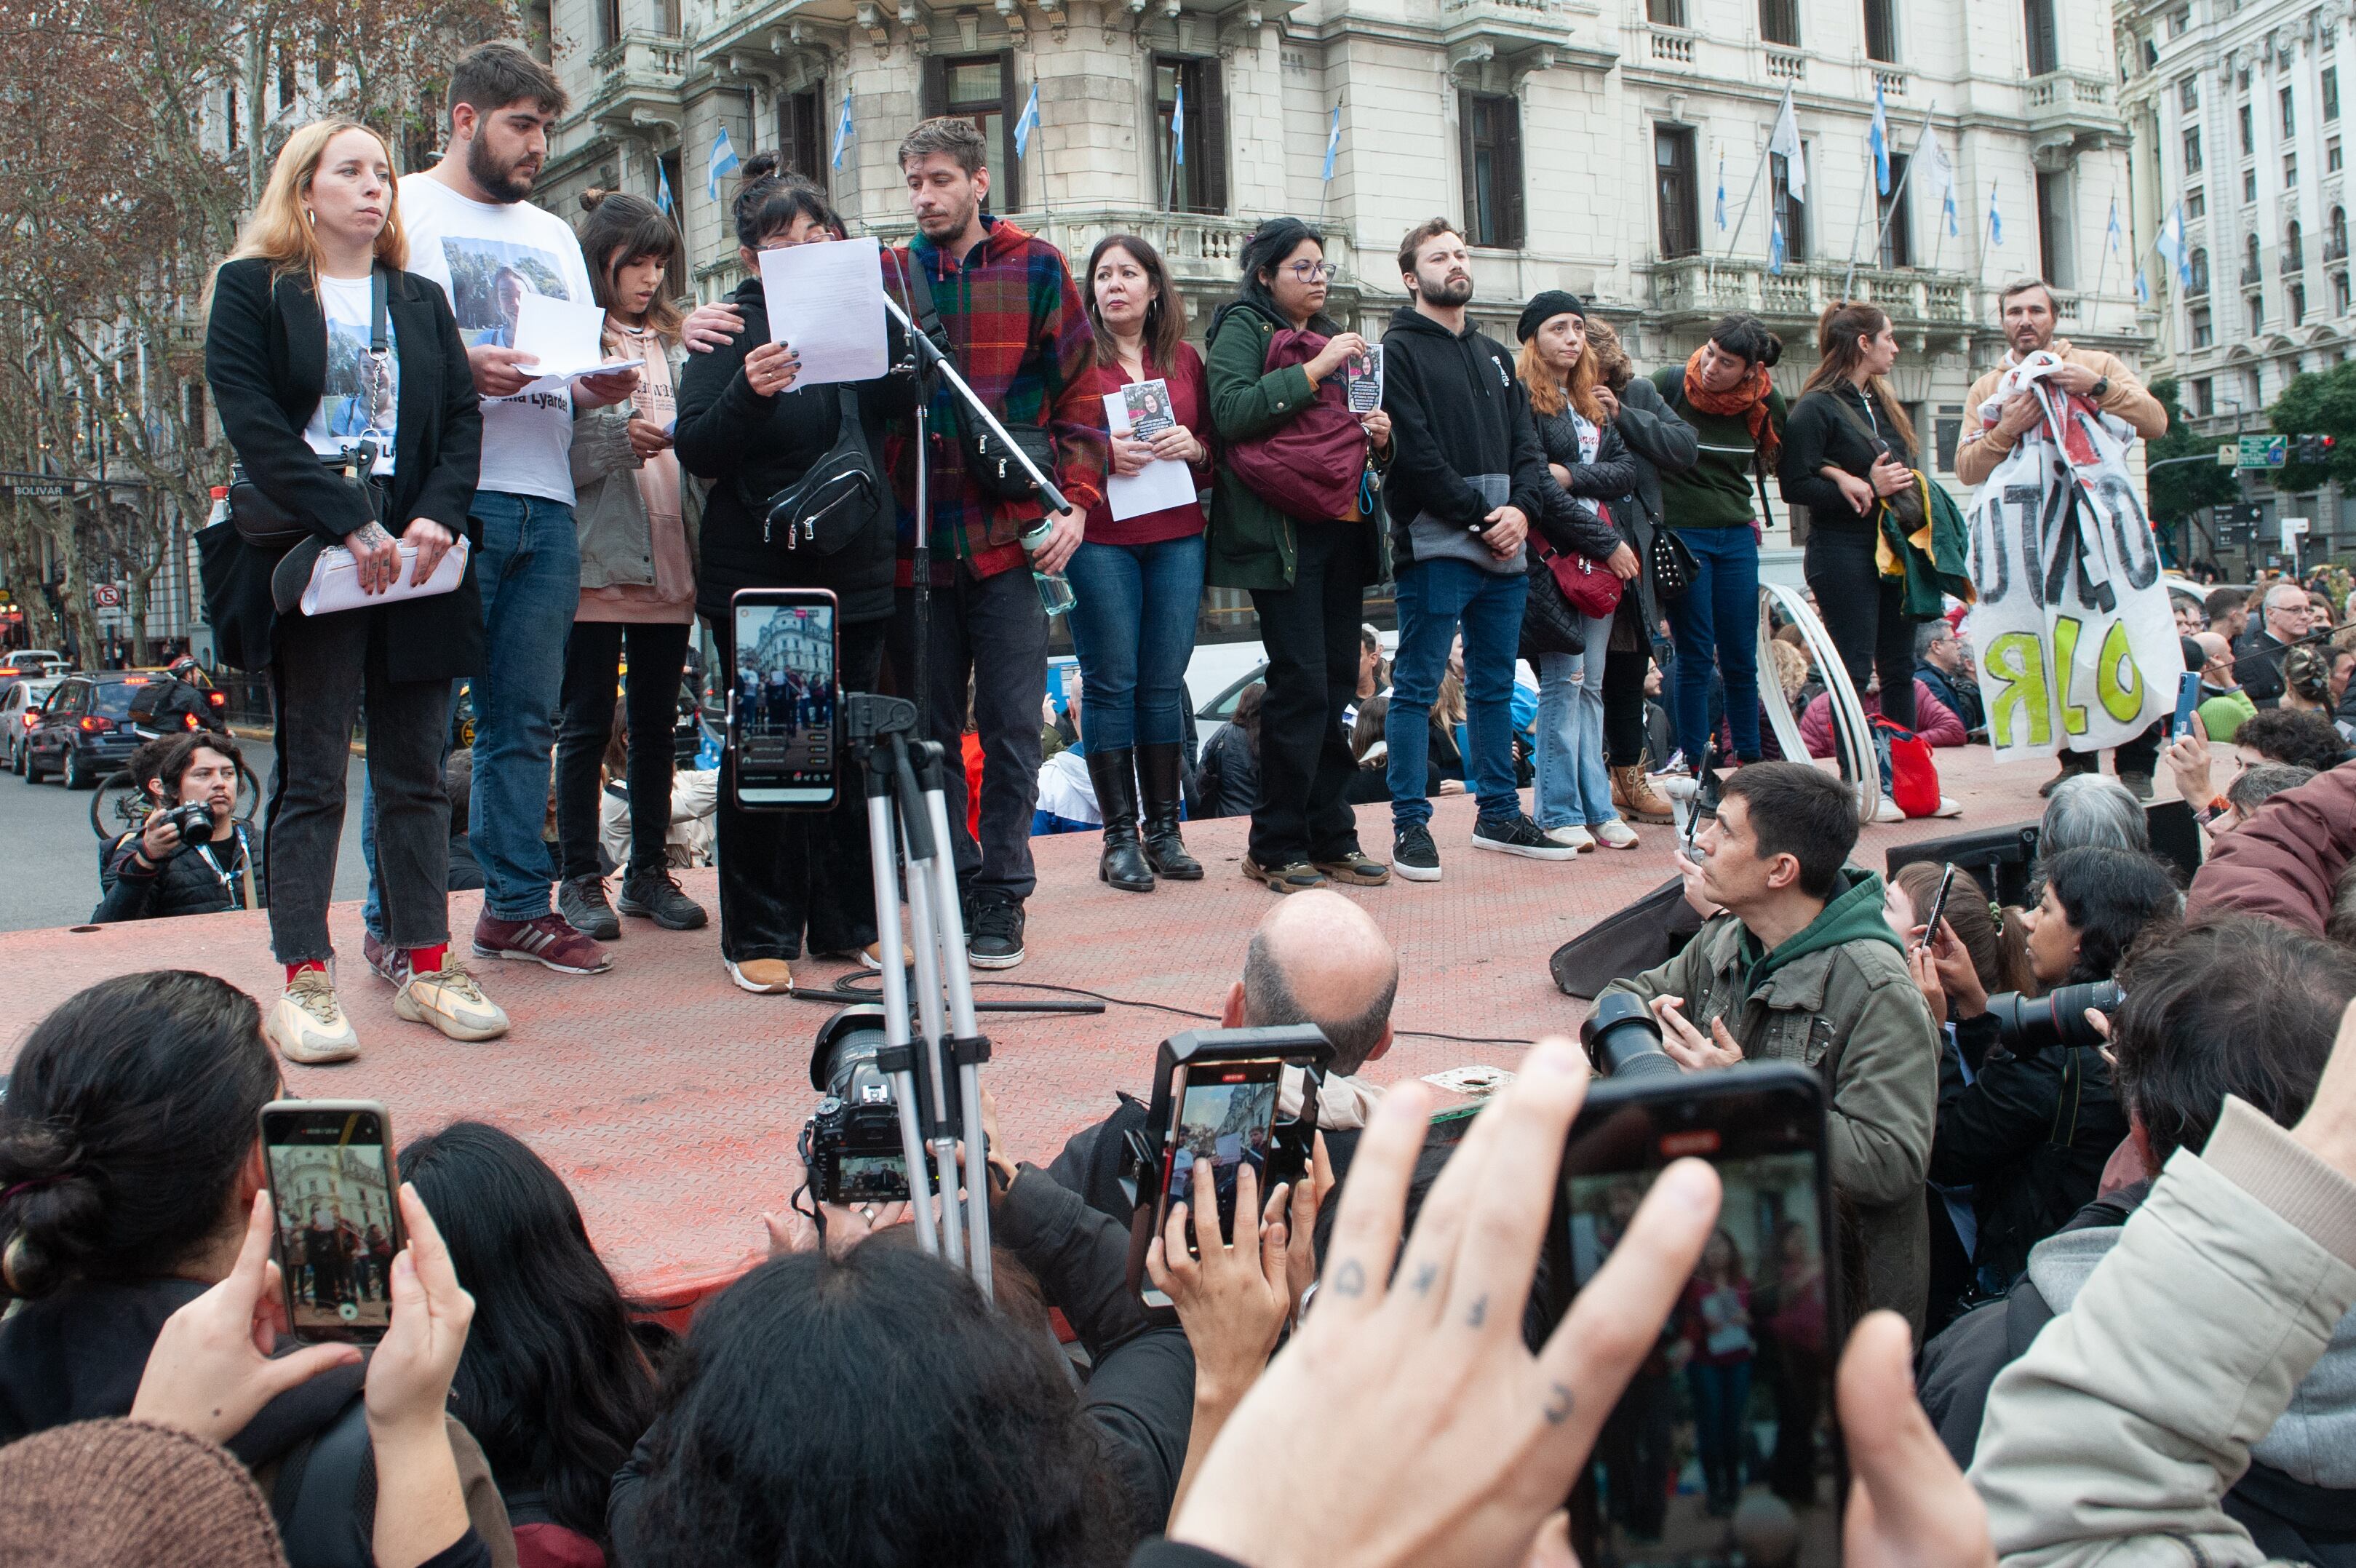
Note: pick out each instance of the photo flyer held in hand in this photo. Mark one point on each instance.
(1147, 403)
(1362, 380)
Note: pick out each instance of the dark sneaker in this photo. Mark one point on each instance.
(550, 940)
(386, 963)
(1356, 868)
(2137, 784)
(655, 896)
(1414, 856)
(582, 901)
(1292, 876)
(1517, 834)
(993, 940)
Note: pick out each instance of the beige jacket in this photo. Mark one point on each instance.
(2114, 1438)
(1977, 458)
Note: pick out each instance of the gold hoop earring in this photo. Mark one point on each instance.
(311, 217)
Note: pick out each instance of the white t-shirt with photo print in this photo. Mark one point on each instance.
(362, 392)
(486, 256)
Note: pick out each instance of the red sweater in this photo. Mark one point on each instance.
(1190, 396)
(1934, 720)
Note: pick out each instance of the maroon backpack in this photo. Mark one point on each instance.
(1309, 465)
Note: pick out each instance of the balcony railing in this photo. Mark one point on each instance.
(2335, 251)
(1784, 66)
(1712, 285)
(1672, 49)
(2252, 274)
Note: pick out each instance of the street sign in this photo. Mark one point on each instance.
(2263, 452)
(38, 489)
(106, 597)
(2293, 529)
(2229, 455)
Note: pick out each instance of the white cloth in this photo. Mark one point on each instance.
(1066, 789)
(694, 798)
(486, 258)
(362, 394)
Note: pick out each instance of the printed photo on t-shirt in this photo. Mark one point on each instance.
(361, 393)
(488, 279)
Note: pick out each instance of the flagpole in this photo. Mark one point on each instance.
(1756, 174)
(2103, 271)
(1897, 194)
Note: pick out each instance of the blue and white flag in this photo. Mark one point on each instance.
(1996, 219)
(1178, 126)
(2111, 236)
(1333, 143)
(1027, 121)
(2143, 288)
(723, 160)
(1930, 164)
(2170, 243)
(1721, 193)
(842, 130)
(1877, 138)
(1775, 246)
(663, 202)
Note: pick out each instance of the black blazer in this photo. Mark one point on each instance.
(266, 361)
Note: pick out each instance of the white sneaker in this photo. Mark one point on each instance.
(1573, 834)
(1949, 806)
(307, 1024)
(451, 1000)
(1616, 834)
(1886, 810)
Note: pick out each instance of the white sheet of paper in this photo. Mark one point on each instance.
(1161, 484)
(827, 301)
(565, 340)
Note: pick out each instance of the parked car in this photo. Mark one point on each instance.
(84, 733)
(20, 710)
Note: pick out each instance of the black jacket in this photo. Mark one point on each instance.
(2258, 666)
(1227, 782)
(1456, 409)
(748, 445)
(1567, 518)
(1818, 433)
(266, 362)
(1962, 701)
(2029, 1135)
(185, 885)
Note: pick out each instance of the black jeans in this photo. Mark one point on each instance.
(323, 674)
(592, 655)
(1865, 612)
(783, 873)
(992, 632)
(1624, 706)
(1311, 630)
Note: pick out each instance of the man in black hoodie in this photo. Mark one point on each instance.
(1467, 475)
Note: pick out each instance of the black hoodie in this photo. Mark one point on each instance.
(1457, 412)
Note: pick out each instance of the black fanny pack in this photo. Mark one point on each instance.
(261, 521)
(997, 473)
(839, 495)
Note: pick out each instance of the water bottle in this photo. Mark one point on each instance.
(220, 505)
(1055, 595)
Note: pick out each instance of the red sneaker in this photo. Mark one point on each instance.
(548, 940)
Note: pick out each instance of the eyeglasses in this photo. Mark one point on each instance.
(1312, 272)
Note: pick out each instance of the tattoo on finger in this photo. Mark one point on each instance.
(1559, 1404)
(1350, 1279)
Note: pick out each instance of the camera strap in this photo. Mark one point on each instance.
(245, 865)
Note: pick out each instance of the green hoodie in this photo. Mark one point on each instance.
(1851, 915)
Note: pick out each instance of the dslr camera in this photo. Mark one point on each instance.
(1623, 1039)
(850, 1147)
(193, 817)
(2027, 1024)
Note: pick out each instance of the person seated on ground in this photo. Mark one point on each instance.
(2236, 1007)
(2300, 736)
(156, 873)
(458, 781)
(1315, 957)
(1374, 674)
(2223, 706)
(1943, 663)
(1801, 966)
(553, 1384)
(694, 808)
(1066, 798)
(159, 1488)
(2029, 1126)
(1227, 782)
(2288, 860)
(1934, 720)
(1370, 744)
(130, 1167)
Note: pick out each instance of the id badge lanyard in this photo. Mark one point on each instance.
(245, 866)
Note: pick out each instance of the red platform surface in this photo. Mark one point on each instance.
(670, 1100)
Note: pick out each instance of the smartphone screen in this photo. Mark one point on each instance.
(2187, 698)
(1226, 1114)
(1722, 1450)
(330, 1167)
(783, 697)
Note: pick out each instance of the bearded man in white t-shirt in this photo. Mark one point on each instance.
(471, 231)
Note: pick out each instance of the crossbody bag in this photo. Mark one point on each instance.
(1906, 508)
(261, 521)
(996, 471)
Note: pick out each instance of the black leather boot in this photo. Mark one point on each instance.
(1159, 783)
(1114, 773)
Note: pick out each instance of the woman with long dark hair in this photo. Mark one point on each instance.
(635, 523)
(291, 356)
(1719, 1348)
(552, 1384)
(1227, 783)
(1307, 576)
(785, 877)
(1715, 510)
(1139, 580)
(1849, 448)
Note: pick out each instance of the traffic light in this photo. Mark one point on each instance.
(2315, 449)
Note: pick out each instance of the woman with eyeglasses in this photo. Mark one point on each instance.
(1307, 576)
(785, 876)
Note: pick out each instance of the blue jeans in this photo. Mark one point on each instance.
(1574, 785)
(1717, 620)
(529, 571)
(1133, 628)
(1721, 1398)
(1433, 598)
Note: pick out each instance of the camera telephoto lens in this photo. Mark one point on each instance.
(2027, 1024)
(1623, 1039)
(851, 1147)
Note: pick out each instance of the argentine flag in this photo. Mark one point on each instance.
(1178, 126)
(2111, 235)
(1877, 138)
(663, 202)
(842, 130)
(723, 160)
(1721, 193)
(1996, 219)
(1775, 246)
(1026, 122)
(1333, 143)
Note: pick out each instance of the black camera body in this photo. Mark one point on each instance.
(193, 817)
(850, 1147)
(2027, 1024)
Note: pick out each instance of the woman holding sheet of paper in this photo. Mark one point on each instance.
(1138, 575)
(290, 356)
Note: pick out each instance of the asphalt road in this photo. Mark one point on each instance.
(50, 856)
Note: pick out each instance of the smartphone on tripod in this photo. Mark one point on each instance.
(784, 700)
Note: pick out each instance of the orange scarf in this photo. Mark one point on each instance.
(1748, 399)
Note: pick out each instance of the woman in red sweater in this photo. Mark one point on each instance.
(1138, 578)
